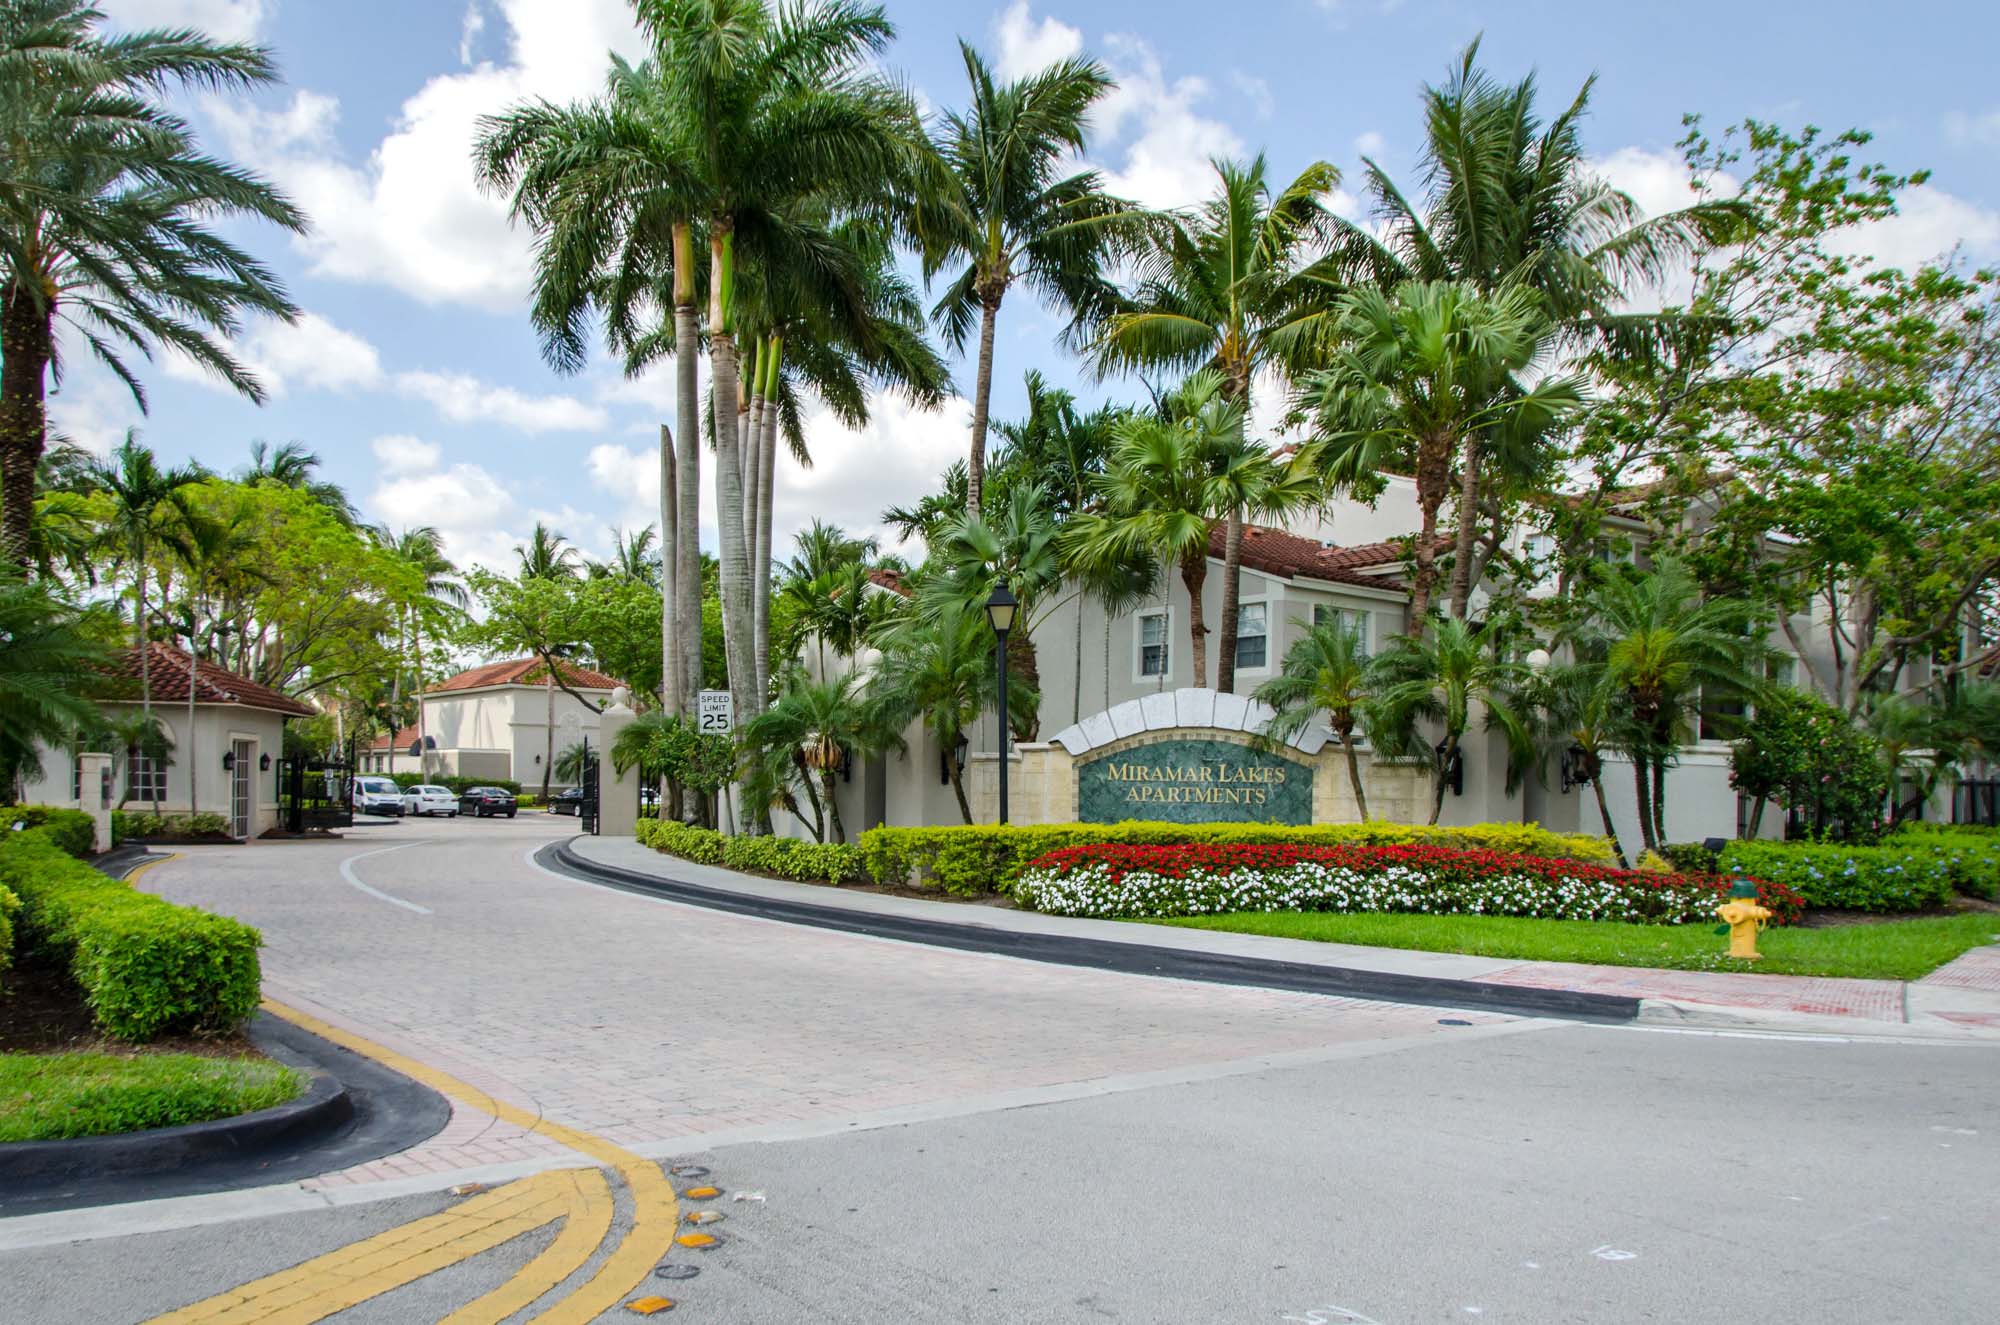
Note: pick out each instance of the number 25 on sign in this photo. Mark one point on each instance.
(715, 711)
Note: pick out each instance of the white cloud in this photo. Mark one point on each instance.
(1166, 147)
(463, 398)
(224, 20)
(1977, 127)
(92, 409)
(1929, 224)
(411, 216)
(472, 25)
(1255, 91)
(400, 453)
(1027, 45)
(311, 352)
(1369, 144)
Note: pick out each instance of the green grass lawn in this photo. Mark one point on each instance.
(45, 1097)
(1890, 950)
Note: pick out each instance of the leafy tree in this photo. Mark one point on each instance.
(533, 614)
(1580, 710)
(939, 668)
(993, 201)
(695, 764)
(1662, 646)
(48, 657)
(1438, 675)
(574, 763)
(1425, 377)
(1230, 287)
(1327, 671)
(1810, 757)
(811, 727)
(107, 218)
(292, 465)
(1015, 544)
(146, 508)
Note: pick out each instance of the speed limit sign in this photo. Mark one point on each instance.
(716, 712)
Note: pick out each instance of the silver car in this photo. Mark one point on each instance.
(424, 800)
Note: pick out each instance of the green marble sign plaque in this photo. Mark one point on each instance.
(1193, 781)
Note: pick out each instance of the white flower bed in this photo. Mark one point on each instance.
(1101, 890)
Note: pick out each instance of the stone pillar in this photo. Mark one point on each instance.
(617, 793)
(96, 797)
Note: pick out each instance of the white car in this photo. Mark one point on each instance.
(430, 800)
(378, 795)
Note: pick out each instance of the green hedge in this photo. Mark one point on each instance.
(1971, 854)
(9, 904)
(987, 858)
(147, 967)
(133, 825)
(1897, 876)
(456, 785)
(781, 857)
(72, 830)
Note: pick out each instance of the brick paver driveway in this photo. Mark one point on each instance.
(660, 1026)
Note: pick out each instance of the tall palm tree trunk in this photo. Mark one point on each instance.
(838, 829)
(1194, 572)
(1433, 477)
(549, 758)
(982, 395)
(767, 459)
(1438, 776)
(139, 634)
(1468, 507)
(1076, 689)
(687, 473)
(1642, 786)
(27, 342)
(957, 786)
(1232, 583)
(670, 597)
(725, 387)
(1604, 817)
(1659, 800)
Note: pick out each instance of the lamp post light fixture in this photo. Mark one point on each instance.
(1000, 610)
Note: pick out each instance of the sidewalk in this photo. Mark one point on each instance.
(1959, 1001)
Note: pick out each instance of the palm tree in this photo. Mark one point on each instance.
(1230, 287)
(1439, 675)
(47, 658)
(1015, 544)
(292, 465)
(814, 726)
(147, 508)
(547, 556)
(1328, 671)
(993, 201)
(938, 667)
(436, 593)
(1162, 491)
(574, 763)
(107, 216)
(1660, 644)
(1580, 713)
(1423, 376)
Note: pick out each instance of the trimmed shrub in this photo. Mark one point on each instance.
(1200, 879)
(72, 830)
(1892, 877)
(1690, 858)
(988, 858)
(1971, 854)
(147, 967)
(9, 904)
(780, 857)
(140, 825)
(456, 785)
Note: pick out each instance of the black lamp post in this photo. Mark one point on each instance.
(1000, 611)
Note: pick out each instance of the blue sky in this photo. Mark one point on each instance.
(415, 374)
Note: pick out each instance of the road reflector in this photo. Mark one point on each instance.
(676, 1271)
(688, 1171)
(468, 1189)
(702, 1193)
(700, 1241)
(705, 1217)
(650, 1306)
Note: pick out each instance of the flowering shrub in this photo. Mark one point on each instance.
(1900, 875)
(1118, 880)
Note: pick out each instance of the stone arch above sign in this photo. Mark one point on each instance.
(1187, 707)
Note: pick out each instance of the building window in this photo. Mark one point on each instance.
(1253, 635)
(1354, 620)
(1722, 717)
(1540, 554)
(1783, 671)
(145, 777)
(1154, 656)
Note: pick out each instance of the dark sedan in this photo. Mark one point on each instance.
(480, 802)
(567, 801)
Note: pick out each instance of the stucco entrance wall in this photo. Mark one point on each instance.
(1191, 756)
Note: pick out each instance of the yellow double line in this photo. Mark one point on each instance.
(580, 1198)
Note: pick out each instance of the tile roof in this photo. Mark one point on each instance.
(399, 741)
(524, 671)
(1287, 555)
(892, 580)
(168, 668)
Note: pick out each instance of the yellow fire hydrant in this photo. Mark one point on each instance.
(1744, 917)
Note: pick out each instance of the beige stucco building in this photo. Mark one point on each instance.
(493, 721)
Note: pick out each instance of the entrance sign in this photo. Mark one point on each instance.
(715, 713)
(1191, 780)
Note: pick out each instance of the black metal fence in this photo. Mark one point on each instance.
(316, 793)
(586, 808)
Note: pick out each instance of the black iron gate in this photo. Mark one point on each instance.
(586, 808)
(1977, 802)
(316, 794)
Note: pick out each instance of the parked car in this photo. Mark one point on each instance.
(375, 795)
(480, 802)
(567, 801)
(430, 800)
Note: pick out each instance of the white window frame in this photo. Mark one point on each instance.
(1139, 674)
(137, 764)
(1270, 641)
(1364, 616)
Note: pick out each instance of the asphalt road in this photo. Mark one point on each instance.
(954, 1137)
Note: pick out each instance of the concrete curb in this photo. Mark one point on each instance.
(324, 1106)
(1128, 958)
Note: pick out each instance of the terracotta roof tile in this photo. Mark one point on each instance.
(892, 580)
(1288, 555)
(168, 679)
(399, 741)
(524, 671)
